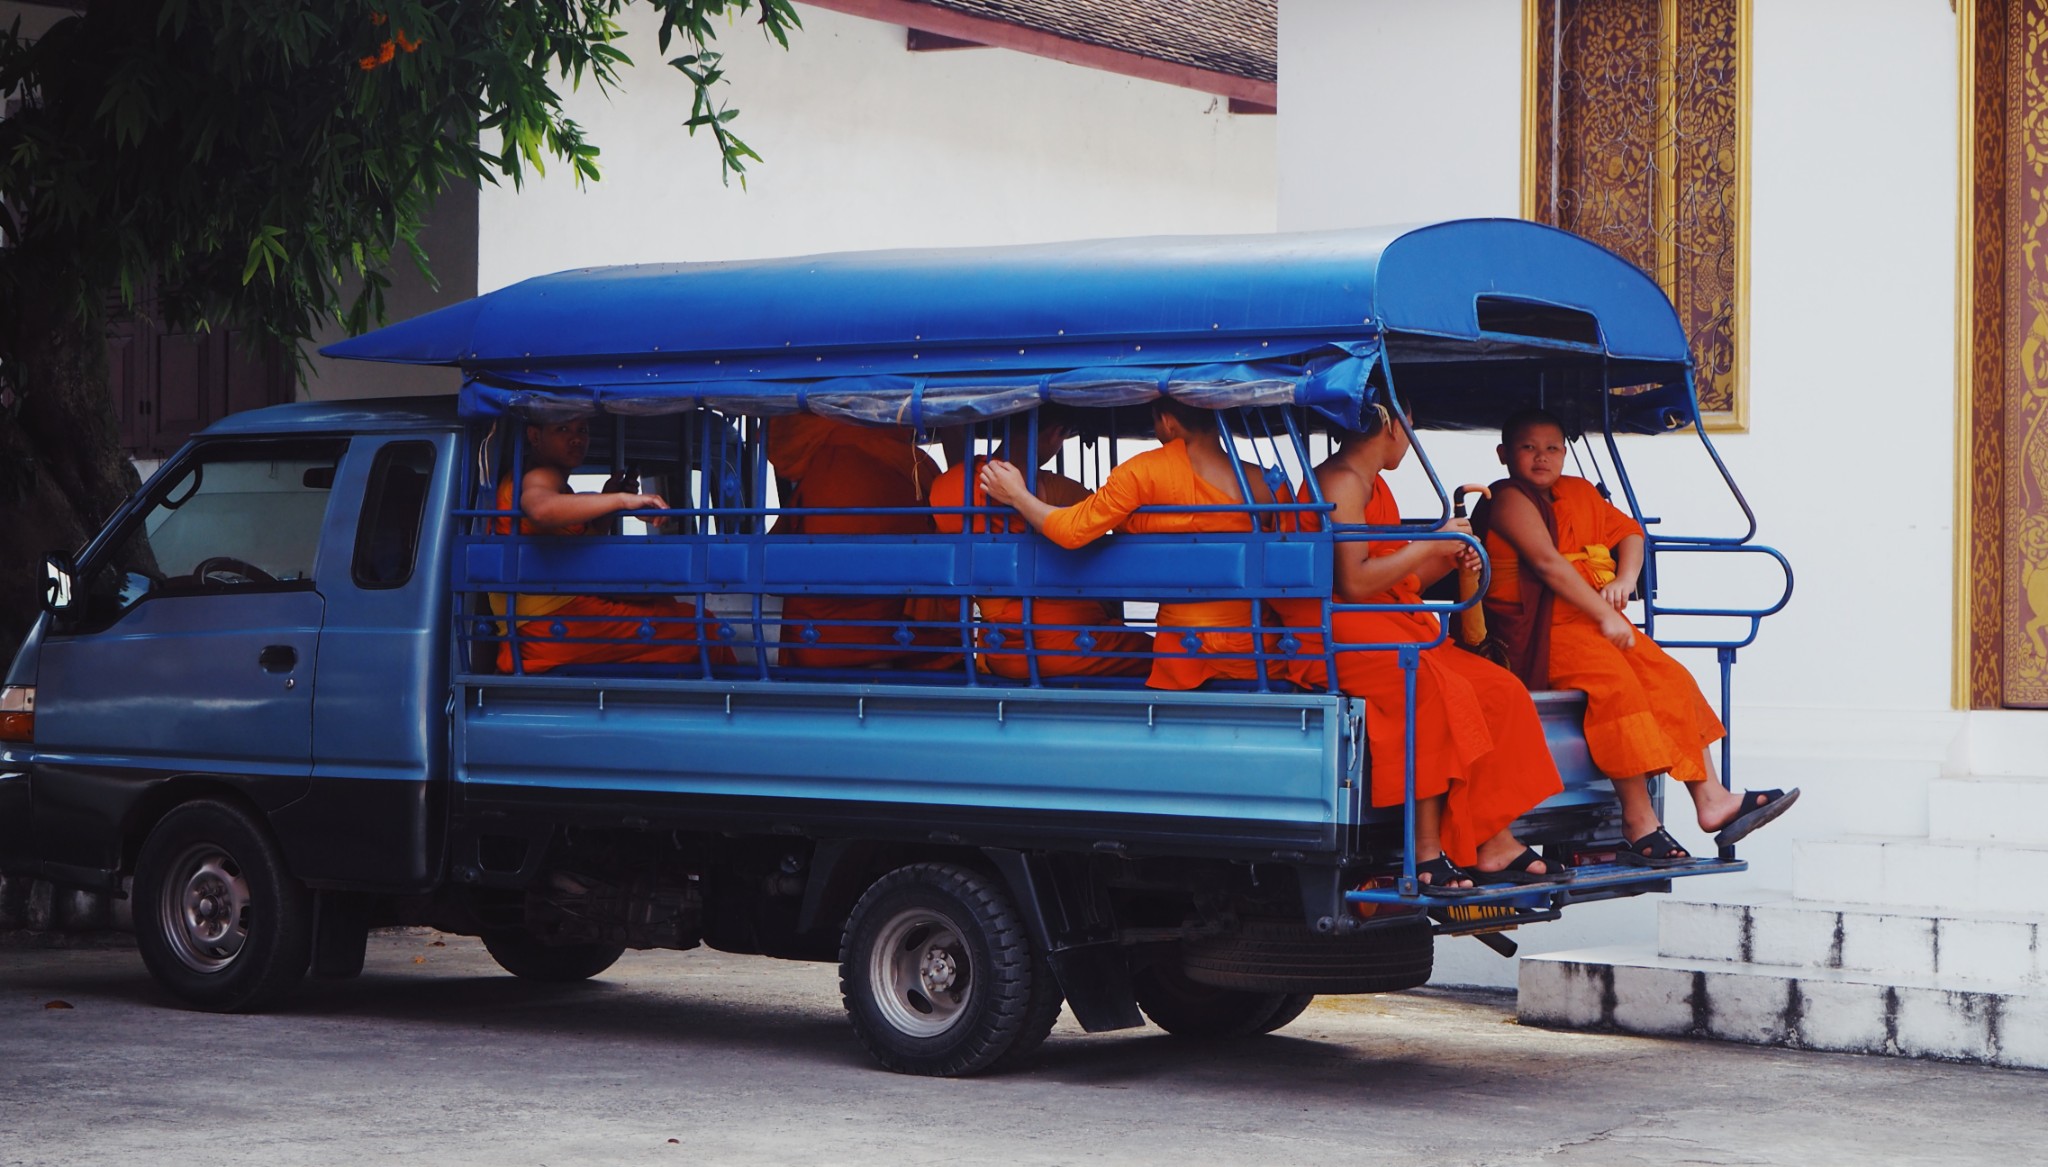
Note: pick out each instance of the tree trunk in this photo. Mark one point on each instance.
(62, 469)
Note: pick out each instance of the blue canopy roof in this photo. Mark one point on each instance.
(1471, 313)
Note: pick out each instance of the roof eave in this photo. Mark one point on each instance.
(1017, 38)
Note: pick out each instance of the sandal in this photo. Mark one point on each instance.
(1442, 872)
(1756, 814)
(1517, 870)
(1656, 849)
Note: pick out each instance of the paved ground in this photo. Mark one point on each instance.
(434, 1057)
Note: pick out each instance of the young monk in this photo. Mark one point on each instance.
(1565, 561)
(840, 464)
(1059, 653)
(1480, 757)
(648, 630)
(1189, 468)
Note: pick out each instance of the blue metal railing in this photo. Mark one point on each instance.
(725, 515)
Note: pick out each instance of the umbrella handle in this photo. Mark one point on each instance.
(1458, 497)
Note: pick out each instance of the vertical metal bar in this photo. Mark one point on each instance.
(1411, 662)
(1308, 459)
(1248, 499)
(1400, 416)
(1726, 657)
(518, 533)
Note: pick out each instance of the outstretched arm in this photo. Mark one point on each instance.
(545, 498)
(1518, 521)
(1085, 521)
(1361, 576)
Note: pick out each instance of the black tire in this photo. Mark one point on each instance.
(1283, 956)
(939, 974)
(1185, 1009)
(528, 959)
(219, 920)
(1292, 1006)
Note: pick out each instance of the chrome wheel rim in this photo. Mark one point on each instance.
(921, 973)
(205, 908)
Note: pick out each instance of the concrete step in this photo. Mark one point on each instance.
(1634, 990)
(1767, 927)
(1978, 808)
(1907, 872)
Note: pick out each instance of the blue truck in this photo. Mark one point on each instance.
(270, 702)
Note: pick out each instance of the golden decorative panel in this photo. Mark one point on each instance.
(2008, 361)
(1636, 140)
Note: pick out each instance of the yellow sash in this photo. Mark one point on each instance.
(1596, 563)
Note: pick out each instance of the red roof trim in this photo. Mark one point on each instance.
(1003, 35)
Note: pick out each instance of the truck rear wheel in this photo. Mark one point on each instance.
(939, 974)
(219, 920)
(530, 960)
(1185, 1009)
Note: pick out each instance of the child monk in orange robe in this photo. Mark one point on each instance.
(839, 464)
(1060, 653)
(1190, 468)
(1556, 544)
(1480, 758)
(637, 630)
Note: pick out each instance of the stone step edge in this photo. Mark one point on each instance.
(1766, 897)
(1646, 956)
(1917, 840)
(1854, 938)
(1794, 1008)
(1787, 902)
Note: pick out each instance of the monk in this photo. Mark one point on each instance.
(1480, 758)
(839, 464)
(1565, 562)
(1196, 642)
(1060, 653)
(642, 630)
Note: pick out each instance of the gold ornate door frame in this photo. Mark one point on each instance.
(2002, 356)
(1636, 136)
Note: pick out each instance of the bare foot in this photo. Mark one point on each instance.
(1718, 809)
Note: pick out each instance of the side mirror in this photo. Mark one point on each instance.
(59, 579)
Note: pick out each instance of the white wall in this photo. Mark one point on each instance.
(1395, 111)
(1399, 112)
(868, 145)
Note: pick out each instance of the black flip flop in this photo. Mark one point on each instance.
(1442, 872)
(1517, 870)
(1656, 849)
(1775, 803)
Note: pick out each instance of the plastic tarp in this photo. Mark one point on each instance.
(1333, 384)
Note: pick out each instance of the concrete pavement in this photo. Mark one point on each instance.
(435, 1057)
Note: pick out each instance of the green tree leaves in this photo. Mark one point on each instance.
(248, 160)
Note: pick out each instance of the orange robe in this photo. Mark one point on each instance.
(1478, 738)
(1165, 477)
(840, 464)
(1059, 653)
(1644, 711)
(641, 629)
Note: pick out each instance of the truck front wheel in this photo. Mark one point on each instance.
(939, 974)
(219, 920)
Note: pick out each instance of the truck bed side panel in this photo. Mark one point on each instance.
(1246, 773)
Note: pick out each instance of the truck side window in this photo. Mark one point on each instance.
(235, 515)
(388, 535)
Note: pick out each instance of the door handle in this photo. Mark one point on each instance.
(278, 658)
